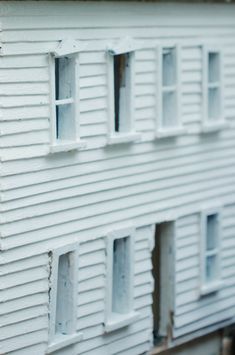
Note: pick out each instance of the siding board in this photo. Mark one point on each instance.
(50, 200)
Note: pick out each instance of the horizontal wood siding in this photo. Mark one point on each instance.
(25, 298)
(24, 304)
(191, 309)
(48, 200)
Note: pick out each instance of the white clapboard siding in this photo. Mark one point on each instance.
(91, 313)
(191, 309)
(48, 200)
(24, 303)
(122, 182)
(33, 349)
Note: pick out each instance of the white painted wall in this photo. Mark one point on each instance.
(49, 200)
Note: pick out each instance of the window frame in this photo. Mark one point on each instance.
(210, 125)
(68, 49)
(214, 285)
(178, 129)
(123, 46)
(56, 342)
(115, 320)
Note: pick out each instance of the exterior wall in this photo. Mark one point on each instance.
(192, 311)
(49, 200)
(203, 345)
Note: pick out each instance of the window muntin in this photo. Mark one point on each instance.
(213, 88)
(214, 98)
(64, 99)
(169, 88)
(64, 75)
(211, 234)
(168, 103)
(211, 252)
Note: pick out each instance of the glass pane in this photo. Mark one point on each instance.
(213, 67)
(211, 268)
(169, 113)
(212, 232)
(121, 95)
(65, 124)
(121, 275)
(64, 77)
(214, 104)
(169, 67)
(64, 295)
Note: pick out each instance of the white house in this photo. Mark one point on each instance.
(117, 123)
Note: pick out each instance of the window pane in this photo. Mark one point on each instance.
(214, 104)
(169, 67)
(64, 302)
(65, 124)
(169, 113)
(64, 72)
(212, 232)
(213, 67)
(121, 94)
(211, 268)
(121, 275)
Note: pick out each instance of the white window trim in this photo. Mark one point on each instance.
(210, 287)
(126, 45)
(207, 125)
(61, 341)
(65, 48)
(115, 321)
(179, 129)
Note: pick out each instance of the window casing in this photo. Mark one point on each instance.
(64, 77)
(63, 298)
(213, 112)
(121, 62)
(169, 89)
(210, 251)
(120, 279)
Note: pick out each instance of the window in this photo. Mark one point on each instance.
(65, 100)
(62, 298)
(212, 89)
(121, 59)
(211, 234)
(169, 92)
(163, 275)
(120, 311)
(121, 92)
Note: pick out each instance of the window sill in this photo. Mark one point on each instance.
(214, 126)
(124, 138)
(66, 146)
(118, 321)
(61, 341)
(211, 288)
(170, 132)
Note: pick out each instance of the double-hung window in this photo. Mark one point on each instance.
(64, 64)
(210, 250)
(213, 115)
(121, 62)
(168, 103)
(120, 279)
(63, 298)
